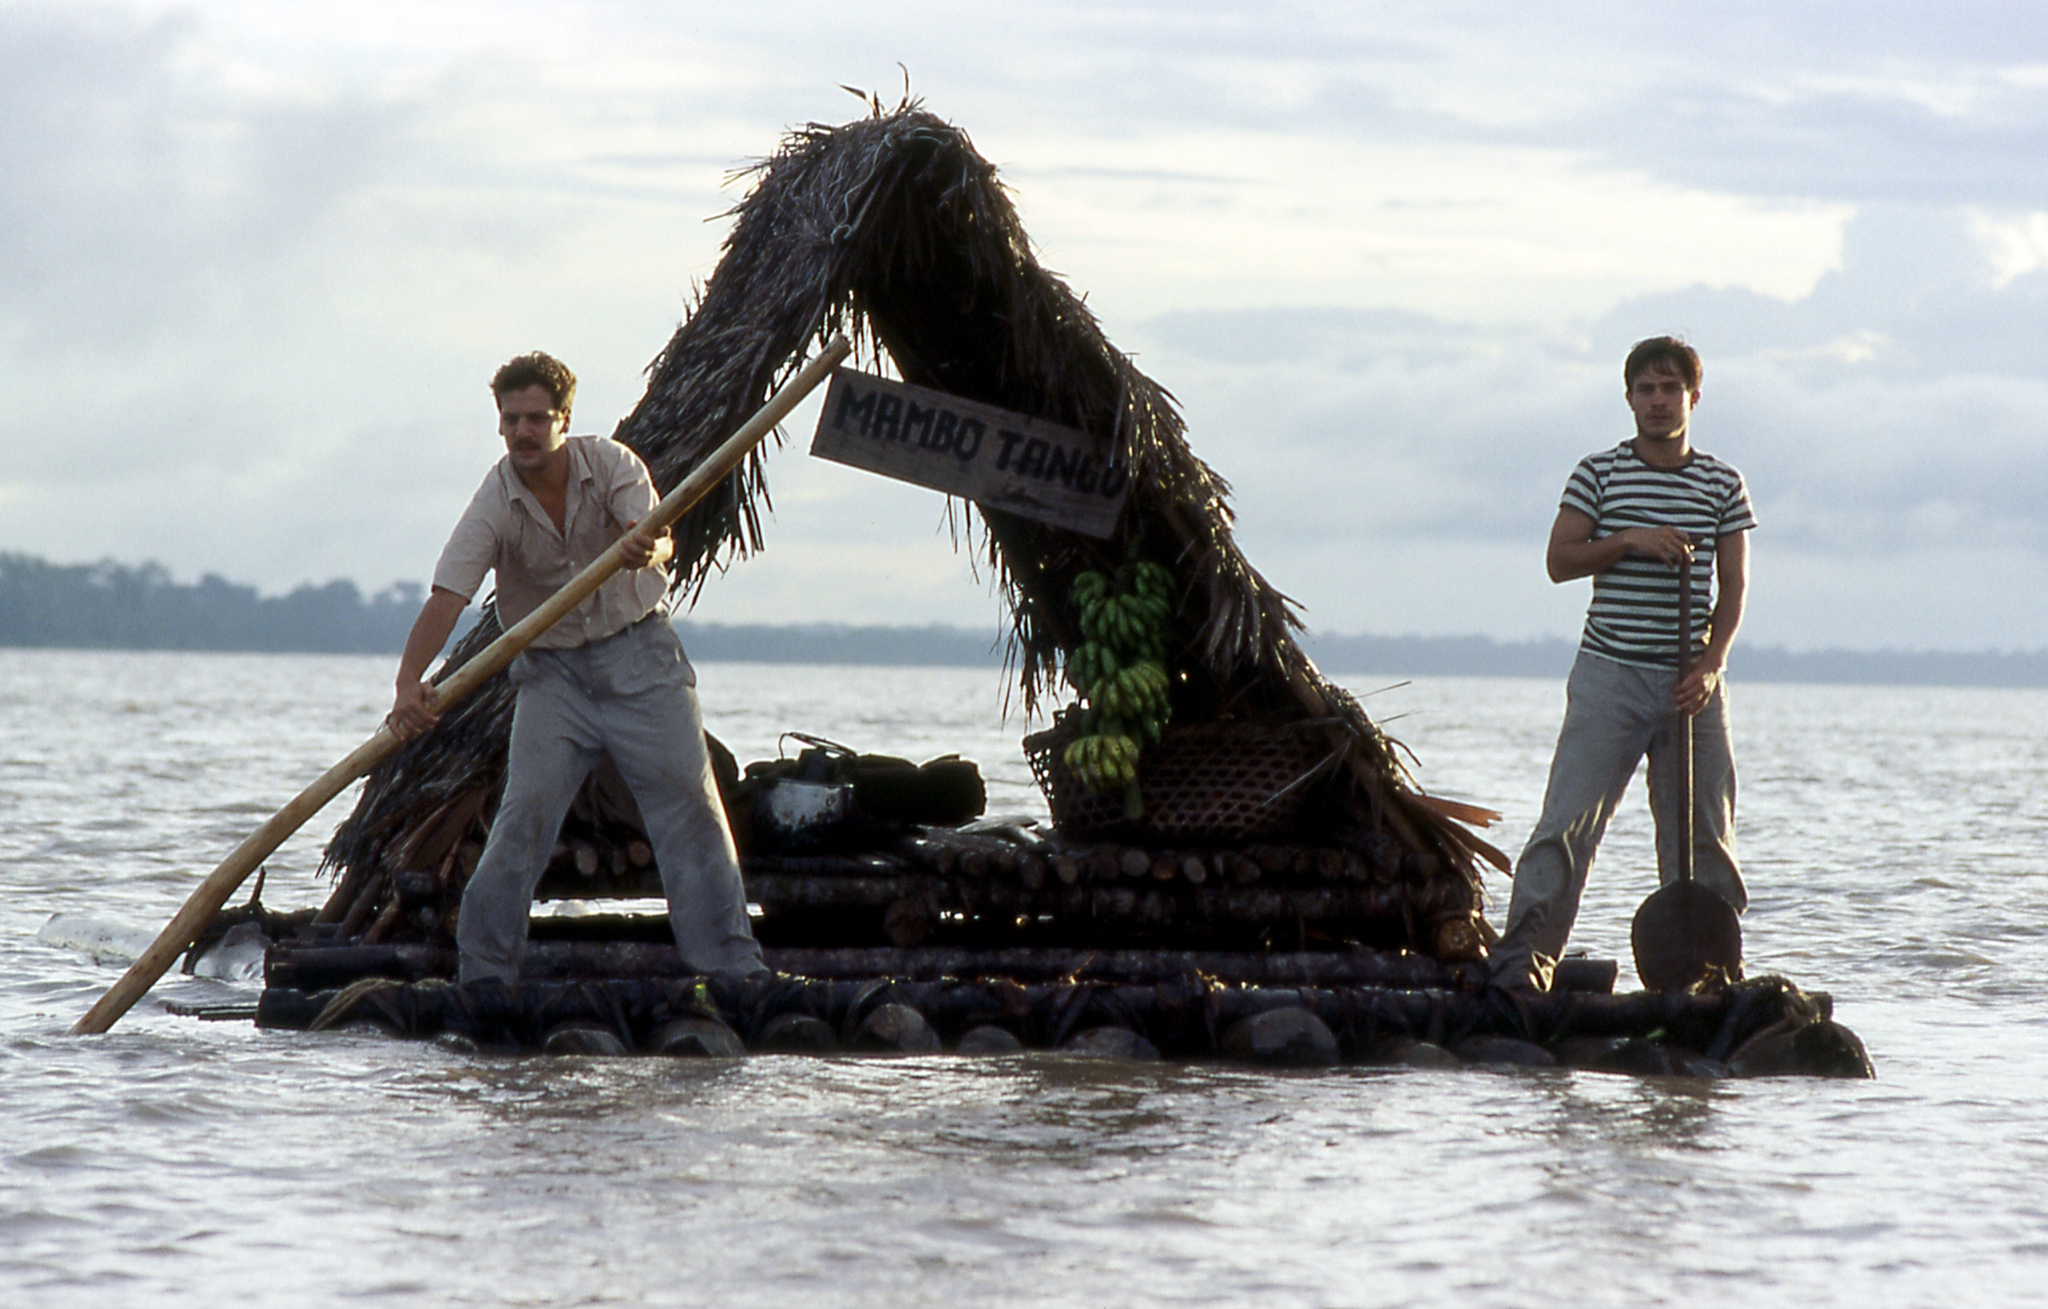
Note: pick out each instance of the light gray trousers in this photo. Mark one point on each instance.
(1614, 714)
(632, 695)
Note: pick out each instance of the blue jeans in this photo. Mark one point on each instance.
(1614, 714)
(633, 696)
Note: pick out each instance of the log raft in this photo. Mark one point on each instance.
(1761, 1027)
(1305, 901)
(936, 886)
(312, 965)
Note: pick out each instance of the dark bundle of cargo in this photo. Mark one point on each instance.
(1190, 729)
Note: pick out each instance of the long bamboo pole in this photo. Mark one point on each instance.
(206, 901)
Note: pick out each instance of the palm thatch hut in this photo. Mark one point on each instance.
(893, 230)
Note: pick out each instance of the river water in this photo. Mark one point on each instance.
(1894, 844)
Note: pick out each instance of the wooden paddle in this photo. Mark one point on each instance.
(185, 927)
(1685, 931)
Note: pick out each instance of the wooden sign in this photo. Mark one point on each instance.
(997, 459)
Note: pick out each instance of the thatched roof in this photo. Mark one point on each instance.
(894, 231)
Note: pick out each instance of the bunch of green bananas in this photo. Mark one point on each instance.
(1106, 762)
(1120, 669)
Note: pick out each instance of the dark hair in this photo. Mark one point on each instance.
(1684, 360)
(536, 369)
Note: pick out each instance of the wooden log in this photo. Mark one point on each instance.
(1459, 939)
(329, 968)
(430, 840)
(1218, 901)
(639, 854)
(794, 1033)
(1244, 870)
(1134, 862)
(868, 865)
(1067, 868)
(695, 1036)
(1156, 908)
(367, 900)
(1284, 1037)
(820, 891)
(387, 918)
(1330, 864)
(894, 1029)
(584, 856)
(343, 897)
(1134, 966)
(1031, 872)
(907, 920)
(1194, 869)
(1164, 868)
(936, 856)
(988, 1039)
(1181, 1016)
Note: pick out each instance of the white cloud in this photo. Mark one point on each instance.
(2014, 247)
(1478, 232)
(260, 258)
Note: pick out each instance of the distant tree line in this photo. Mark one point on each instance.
(114, 606)
(1478, 656)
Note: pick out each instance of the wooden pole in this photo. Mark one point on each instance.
(206, 901)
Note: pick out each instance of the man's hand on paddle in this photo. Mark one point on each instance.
(1692, 691)
(1667, 545)
(411, 712)
(642, 549)
(1731, 586)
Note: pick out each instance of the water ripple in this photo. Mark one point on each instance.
(1892, 843)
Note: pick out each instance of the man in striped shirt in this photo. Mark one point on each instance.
(1631, 517)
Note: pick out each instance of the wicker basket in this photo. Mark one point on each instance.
(1204, 782)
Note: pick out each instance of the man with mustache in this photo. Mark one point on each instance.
(609, 678)
(1631, 517)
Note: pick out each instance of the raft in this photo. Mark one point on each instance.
(1762, 1027)
(1239, 863)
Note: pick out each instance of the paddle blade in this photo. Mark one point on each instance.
(1682, 934)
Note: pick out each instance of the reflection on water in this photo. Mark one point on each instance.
(1658, 1113)
(1891, 838)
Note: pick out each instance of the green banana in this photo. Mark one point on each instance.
(1119, 669)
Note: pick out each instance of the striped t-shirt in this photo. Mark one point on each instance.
(1634, 614)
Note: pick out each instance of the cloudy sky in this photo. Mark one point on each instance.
(257, 262)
